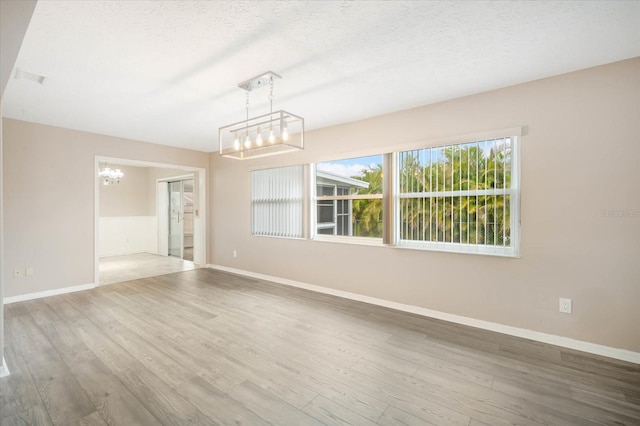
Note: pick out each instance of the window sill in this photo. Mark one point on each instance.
(361, 241)
(278, 236)
(412, 245)
(459, 248)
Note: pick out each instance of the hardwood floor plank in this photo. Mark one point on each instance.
(616, 369)
(13, 310)
(432, 405)
(617, 405)
(285, 341)
(506, 404)
(59, 391)
(93, 419)
(456, 370)
(521, 370)
(496, 408)
(34, 416)
(103, 347)
(218, 375)
(60, 335)
(114, 402)
(163, 366)
(632, 397)
(296, 375)
(255, 367)
(160, 399)
(476, 422)
(581, 413)
(218, 406)
(268, 407)
(65, 400)
(65, 309)
(18, 393)
(331, 413)
(210, 347)
(394, 417)
(27, 337)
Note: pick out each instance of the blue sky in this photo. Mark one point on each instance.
(350, 167)
(353, 167)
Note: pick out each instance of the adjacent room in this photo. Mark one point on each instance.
(145, 221)
(319, 212)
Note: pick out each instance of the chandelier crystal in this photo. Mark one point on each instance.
(110, 176)
(274, 133)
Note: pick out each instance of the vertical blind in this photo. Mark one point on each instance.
(277, 197)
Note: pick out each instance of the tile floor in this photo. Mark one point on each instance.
(116, 269)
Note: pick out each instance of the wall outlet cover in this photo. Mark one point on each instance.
(565, 305)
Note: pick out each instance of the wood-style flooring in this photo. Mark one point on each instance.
(207, 347)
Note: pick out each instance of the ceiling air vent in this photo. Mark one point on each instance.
(26, 75)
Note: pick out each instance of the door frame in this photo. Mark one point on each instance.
(199, 221)
(163, 225)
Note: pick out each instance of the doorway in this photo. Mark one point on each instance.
(137, 242)
(181, 218)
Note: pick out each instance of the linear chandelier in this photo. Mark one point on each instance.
(110, 176)
(274, 133)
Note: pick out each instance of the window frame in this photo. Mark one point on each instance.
(315, 198)
(513, 250)
(391, 197)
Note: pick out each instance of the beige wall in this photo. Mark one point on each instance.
(49, 199)
(14, 20)
(580, 156)
(135, 195)
(127, 198)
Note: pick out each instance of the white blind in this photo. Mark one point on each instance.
(277, 197)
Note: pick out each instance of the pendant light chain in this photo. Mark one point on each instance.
(247, 141)
(271, 95)
(247, 106)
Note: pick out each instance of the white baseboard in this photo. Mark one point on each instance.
(565, 342)
(40, 294)
(4, 369)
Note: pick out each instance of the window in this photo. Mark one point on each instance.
(277, 198)
(459, 197)
(349, 197)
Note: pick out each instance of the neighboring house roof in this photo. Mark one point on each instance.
(333, 179)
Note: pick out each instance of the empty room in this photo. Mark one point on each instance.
(320, 213)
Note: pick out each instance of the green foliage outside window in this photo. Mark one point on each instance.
(456, 194)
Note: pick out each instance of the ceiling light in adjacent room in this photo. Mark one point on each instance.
(110, 176)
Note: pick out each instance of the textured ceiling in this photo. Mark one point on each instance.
(167, 71)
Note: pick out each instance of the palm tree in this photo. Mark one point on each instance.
(367, 214)
(460, 219)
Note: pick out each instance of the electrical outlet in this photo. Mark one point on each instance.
(28, 271)
(565, 305)
(235, 253)
(18, 273)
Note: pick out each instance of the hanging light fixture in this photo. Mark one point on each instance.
(110, 176)
(284, 131)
